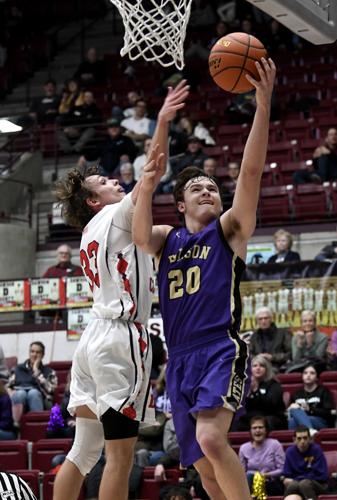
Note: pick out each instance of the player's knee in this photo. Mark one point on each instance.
(212, 444)
(87, 446)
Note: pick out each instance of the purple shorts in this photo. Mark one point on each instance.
(203, 377)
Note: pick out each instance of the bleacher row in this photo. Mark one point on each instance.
(31, 455)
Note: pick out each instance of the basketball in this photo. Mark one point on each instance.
(232, 57)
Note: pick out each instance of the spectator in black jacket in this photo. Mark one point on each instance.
(312, 405)
(271, 342)
(116, 148)
(91, 71)
(33, 382)
(194, 155)
(79, 124)
(45, 109)
(283, 242)
(265, 397)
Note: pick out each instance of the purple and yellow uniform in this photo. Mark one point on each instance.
(199, 277)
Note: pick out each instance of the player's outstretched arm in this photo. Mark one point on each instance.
(147, 237)
(174, 101)
(241, 218)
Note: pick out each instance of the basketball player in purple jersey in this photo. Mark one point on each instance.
(199, 272)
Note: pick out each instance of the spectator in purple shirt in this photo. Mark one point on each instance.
(305, 469)
(263, 454)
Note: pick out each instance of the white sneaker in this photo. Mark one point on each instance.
(313, 432)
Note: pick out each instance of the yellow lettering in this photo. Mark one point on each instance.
(172, 258)
(204, 252)
(176, 280)
(195, 251)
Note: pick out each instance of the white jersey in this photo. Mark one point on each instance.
(119, 274)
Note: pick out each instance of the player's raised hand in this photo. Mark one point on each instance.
(153, 170)
(174, 101)
(264, 87)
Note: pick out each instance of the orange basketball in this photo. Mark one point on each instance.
(232, 57)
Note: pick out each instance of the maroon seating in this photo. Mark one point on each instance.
(331, 458)
(327, 438)
(280, 152)
(33, 425)
(13, 454)
(59, 392)
(11, 362)
(311, 202)
(288, 168)
(45, 449)
(62, 369)
(328, 376)
(150, 487)
(290, 378)
(298, 129)
(236, 439)
(284, 436)
(31, 477)
(164, 210)
(292, 387)
(275, 205)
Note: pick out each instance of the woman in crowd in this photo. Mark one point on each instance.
(264, 455)
(312, 405)
(283, 242)
(265, 397)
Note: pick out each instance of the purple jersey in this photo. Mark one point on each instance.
(199, 277)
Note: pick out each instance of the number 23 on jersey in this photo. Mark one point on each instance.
(89, 264)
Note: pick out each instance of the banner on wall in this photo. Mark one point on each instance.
(47, 293)
(13, 295)
(78, 292)
(288, 298)
(77, 321)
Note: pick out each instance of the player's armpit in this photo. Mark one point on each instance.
(156, 241)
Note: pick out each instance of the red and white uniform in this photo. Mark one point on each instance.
(112, 363)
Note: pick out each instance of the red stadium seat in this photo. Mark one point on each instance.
(33, 425)
(164, 210)
(13, 454)
(45, 449)
(236, 439)
(285, 437)
(62, 369)
(150, 487)
(311, 202)
(275, 205)
(327, 438)
(328, 376)
(31, 477)
(290, 378)
(298, 129)
(331, 458)
(59, 392)
(307, 148)
(288, 168)
(11, 362)
(280, 152)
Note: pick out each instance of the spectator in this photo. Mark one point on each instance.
(305, 469)
(91, 71)
(265, 397)
(263, 454)
(202, 14)
(332, 351)
(78, 125)
(312, 405)
(233, 174)
(68, 429)
(309, 344)
(170, 458)
(193, 156)
(7, 430)
(44, 109)
(33, 382)
(329, 252)
(4, 373)
(209, 166)
(71, 96)
(273, 343)
(133, 96)
(140, 161)
(283, 242)
(324, 162)
(176, 493)
(138, 127)
(116, 149)
(64, 266)
(127, 180)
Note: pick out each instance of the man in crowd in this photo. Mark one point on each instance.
(139, 126)
(33, 382)
(194, 156)
(272, 342)
(45, 109)
(64, 266)
(305, 468)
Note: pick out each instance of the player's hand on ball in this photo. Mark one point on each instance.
(264, 87)
(174, 101)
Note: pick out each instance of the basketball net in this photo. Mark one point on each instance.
(155, 29)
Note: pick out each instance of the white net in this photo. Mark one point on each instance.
(155, 29)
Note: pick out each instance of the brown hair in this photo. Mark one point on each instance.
(186, 175)
(289, 236)
(72, 193)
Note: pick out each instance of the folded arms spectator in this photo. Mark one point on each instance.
(309, 344)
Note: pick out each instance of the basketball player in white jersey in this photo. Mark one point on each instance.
(110, 385)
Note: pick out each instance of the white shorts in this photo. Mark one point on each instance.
(111, 369)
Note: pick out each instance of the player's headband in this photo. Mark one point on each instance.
(197, 179)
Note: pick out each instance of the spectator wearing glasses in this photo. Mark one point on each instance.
(64, 266)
